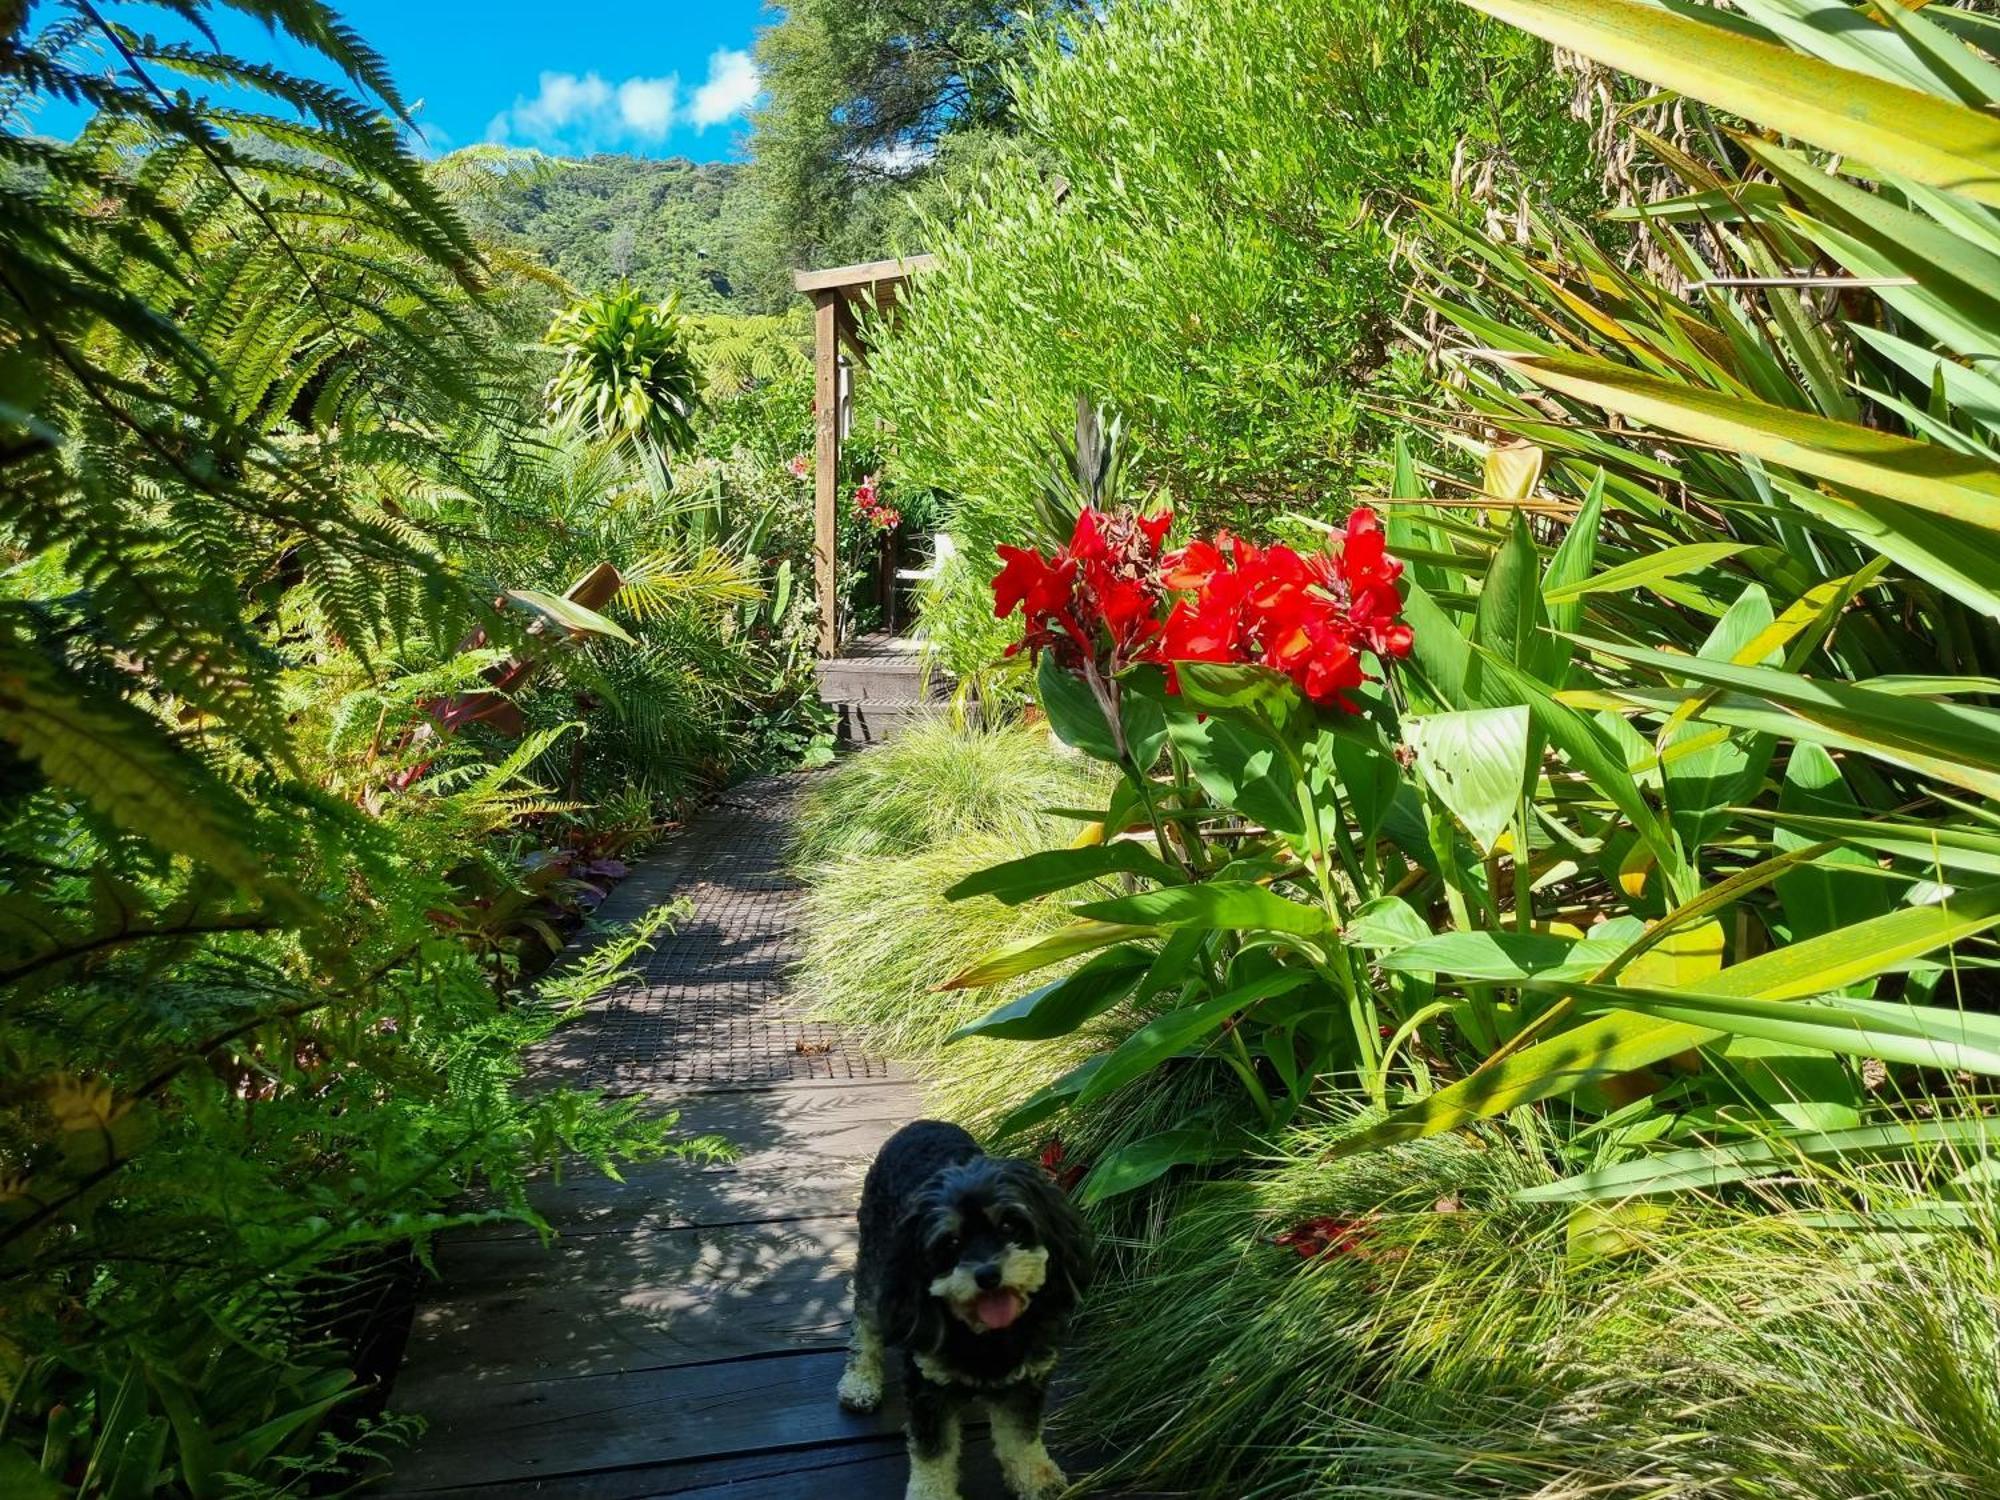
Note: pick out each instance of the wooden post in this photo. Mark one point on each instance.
(826, 464)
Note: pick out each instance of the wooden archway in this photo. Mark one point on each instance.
(881, 284)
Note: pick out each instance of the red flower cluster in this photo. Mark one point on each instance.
(1309, 617)
(1327, 1236)
(867, 500)
(1104, 587)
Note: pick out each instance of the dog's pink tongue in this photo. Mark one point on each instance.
(997, 1309)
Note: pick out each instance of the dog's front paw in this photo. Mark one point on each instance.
(860, 1390)
(1034, 1476)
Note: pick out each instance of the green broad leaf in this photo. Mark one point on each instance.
(1240, 769)
(1702, 1168)
(1806, 1088)
(1703, 773)
(1595, 1233)
(1051, 1100)
(1074, 712)
(1168, 1035)
(1841, 886)
(567, 614)
(1440, 655)
(1870, 121)
(21, 1478)
(1058, 1009)
(1624, 1041)
(1510, 617)
(1142, 1161)
(1215, 905)
(1031, 954)
(1365, 767)
(1955, 742)
(1586, 749)
(1501, 957)
(1387, 922)
(1644, 572)
(1212, 684)
(1034, 875)
(1571, 564)
(1476, 761)
(1926, 476)
(1142, 692)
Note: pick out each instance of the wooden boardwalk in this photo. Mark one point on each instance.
(682, 1334)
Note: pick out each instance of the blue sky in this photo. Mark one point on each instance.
(665, 78)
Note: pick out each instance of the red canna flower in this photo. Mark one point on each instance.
(1330, 1235)
(1096, 599)
(1309, 618)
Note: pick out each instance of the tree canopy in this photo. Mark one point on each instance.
(865, 100)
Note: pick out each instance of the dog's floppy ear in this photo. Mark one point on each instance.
(1062, 1228)
(910, 1314)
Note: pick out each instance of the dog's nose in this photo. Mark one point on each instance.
(988, 1278)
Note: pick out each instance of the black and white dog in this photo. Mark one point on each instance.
(972, 1266)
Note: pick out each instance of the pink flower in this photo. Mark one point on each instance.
(799, 465)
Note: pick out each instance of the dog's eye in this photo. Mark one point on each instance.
(947, 1247)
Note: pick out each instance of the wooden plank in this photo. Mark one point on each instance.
(482, 1435)
(862, 273)
(584, 1202)
(516, 1311)
(826, 464)
(801, 1149)
(873, 1468)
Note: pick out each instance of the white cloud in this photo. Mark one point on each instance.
(646, 105)
(731, 89)
(583, 113)
(572, 113)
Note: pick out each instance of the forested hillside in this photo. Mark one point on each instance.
(667, 225)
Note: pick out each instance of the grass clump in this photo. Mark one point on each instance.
(1453, 1342)
(880, 841)
(941, 779)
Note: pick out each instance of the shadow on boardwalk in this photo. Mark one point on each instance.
(682, 1334)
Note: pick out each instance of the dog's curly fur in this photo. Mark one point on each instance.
(947, 1230)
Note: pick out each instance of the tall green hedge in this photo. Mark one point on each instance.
(1201, 227)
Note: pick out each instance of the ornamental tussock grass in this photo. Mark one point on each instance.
(1449, 1341)
(879, 937)
(941, 779)
(880, 840)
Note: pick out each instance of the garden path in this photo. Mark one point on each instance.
(682, 1334)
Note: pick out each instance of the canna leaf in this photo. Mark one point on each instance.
(1023, 879)
(1031, 954)
(1058, 1009)
(1218, 904)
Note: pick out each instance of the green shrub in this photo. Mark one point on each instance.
(1221, 264)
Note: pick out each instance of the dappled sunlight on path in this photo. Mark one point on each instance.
(682, 1334)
